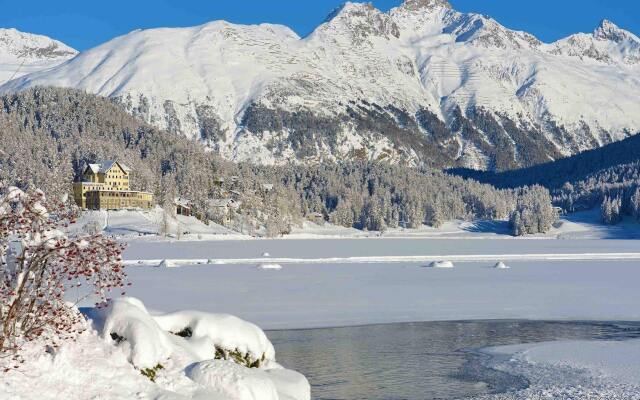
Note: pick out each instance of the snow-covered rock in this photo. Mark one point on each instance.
(441, 264)
(399, 86)
(167, 264)
(233, 381)
(501, 265)
(222, 330)
(126, 320)
(290, 384)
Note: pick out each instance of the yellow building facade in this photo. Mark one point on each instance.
(105, 186)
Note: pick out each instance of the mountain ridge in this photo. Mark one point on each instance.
(22, 53)
(421, 84)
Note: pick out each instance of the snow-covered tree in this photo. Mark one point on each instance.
(635, 204)
(534, 212)
(611, 210)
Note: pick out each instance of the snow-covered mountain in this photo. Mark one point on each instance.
(23, 53)
(420, 84)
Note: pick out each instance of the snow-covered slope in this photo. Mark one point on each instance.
(421, 84)
(607, 44)
(23, 53)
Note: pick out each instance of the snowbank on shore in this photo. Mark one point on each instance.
(131, 353)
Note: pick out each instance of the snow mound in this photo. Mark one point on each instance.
(441, 264)
(221, 330)
(167, 264)
(183, 348)
(290, 384)
(126, 320)
(270, 266)
(150, 340)
(501, 265)
(265, 254)
(233, 381)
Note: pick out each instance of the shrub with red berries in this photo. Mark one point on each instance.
(40, 263)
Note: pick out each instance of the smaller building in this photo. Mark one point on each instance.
(183, 207)
(266, 187)
(222, 209)
(105, 186)
(316, 217)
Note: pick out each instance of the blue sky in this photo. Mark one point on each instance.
(84, 24)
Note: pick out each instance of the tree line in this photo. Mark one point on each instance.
(48, 134)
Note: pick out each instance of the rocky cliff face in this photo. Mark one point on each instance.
(420, 84)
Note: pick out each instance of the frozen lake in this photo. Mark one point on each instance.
(419, 361)
(326, 295)
(379, 288)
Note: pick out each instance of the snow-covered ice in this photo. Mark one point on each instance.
(589, 370)
(618, 361)
(321, 295)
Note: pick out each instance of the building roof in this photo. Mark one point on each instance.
(103, 167)
(220, 202)
(179, 201)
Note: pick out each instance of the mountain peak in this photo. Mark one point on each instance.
(607, 30)
(349, 8)
(425, 4)
(360, 21)
(30, 46)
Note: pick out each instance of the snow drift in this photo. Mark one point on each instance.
(230, 357)
(441, 264)
(270, 266)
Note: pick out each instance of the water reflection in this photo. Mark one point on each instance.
(419, 360)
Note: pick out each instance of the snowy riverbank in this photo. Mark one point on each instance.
(128, 353)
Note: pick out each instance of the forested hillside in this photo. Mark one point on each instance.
(48, 134)
(571, 169)
(608, 176)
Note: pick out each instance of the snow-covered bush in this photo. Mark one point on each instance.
(222, 353)
(221, 336)
(127, 321)
(151, 340)
(39, 262)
